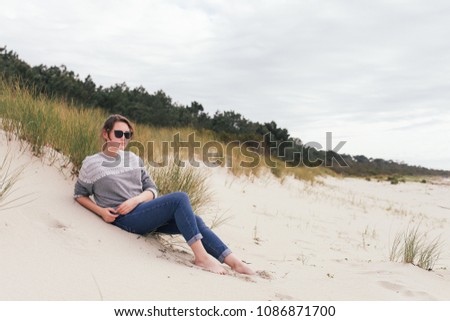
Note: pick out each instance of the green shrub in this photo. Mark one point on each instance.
(394, 181)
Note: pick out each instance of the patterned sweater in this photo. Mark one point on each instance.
(113, 180)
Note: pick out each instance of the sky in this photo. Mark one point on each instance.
(374, 73)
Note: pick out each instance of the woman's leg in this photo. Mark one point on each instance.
(213, 245)
(220, 251)
(211, 242)
(170, 208)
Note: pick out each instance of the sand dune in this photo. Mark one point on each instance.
(327, 241)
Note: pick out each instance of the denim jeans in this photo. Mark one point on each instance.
(172, 214)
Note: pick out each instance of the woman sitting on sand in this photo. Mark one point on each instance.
(126, 196)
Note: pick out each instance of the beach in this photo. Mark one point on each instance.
(327, 240)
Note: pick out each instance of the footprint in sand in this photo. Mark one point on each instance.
(49, 221)
(404, 291)
(284, 297)
(66, 235)
(391, 286)
(264, 274)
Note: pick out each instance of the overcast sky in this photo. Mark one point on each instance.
(375, 73)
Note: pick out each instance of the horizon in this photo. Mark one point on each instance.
(374, 78)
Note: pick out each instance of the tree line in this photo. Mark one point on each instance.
(158, 109)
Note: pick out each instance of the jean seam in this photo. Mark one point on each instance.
(192, 230)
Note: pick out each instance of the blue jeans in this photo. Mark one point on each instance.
(172, 214)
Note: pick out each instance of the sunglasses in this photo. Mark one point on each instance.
(119, 134)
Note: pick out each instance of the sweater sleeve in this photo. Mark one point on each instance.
(147, 183)
(82, 188)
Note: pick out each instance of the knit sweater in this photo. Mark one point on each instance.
(113, 180)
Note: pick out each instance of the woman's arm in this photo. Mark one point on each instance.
(129, 205)
(107, 214)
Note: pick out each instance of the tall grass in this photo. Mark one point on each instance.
(412, 247)
(44, 122)
(8, 178)
(186, 179)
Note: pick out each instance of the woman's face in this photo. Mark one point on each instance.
(117, 138)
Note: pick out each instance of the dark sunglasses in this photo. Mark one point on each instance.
(119, 134)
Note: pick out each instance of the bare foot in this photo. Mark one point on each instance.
(243, 269)
(237, 265)
(211, 265)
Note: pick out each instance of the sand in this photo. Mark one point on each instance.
(324, 241)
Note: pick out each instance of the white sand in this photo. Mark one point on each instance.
(329, 241)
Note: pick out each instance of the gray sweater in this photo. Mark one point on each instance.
(113, 180)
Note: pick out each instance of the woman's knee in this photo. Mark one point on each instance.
(182, 198)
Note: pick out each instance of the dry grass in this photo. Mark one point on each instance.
(412, 247)
(188, 179)
(44, 122)
(218, 220)
(8, 178)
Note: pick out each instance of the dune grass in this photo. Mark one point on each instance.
(186, 179)
(8, 178)
(44, 122)
(413, 247)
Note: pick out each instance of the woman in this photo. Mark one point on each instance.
(126, 196)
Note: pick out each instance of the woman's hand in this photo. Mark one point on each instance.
(130, 204)
(108, 214)
(127, 206)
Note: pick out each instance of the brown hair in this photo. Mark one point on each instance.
(112, 119)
